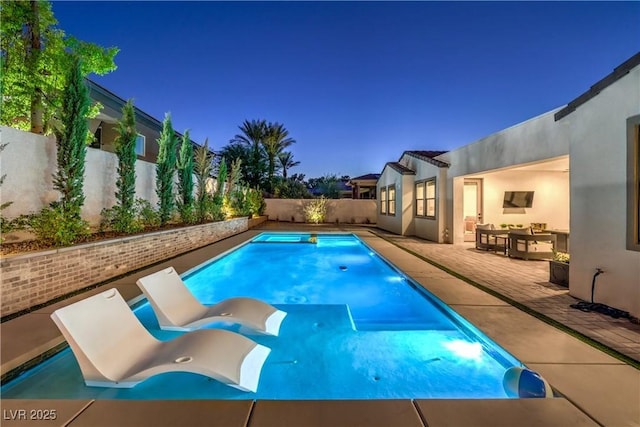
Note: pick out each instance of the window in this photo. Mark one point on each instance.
(140, 145)
(420, 199)
(430, 198)
(426, 198)
(383, 200)
(392, 201)
(633, 183)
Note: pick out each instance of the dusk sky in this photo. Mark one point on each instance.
(355, 83)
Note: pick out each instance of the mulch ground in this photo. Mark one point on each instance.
(12, 248)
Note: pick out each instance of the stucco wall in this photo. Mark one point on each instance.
(598, 196)
(29, 162)
(347, 211)
(539, 138)
(392, 223)
(426, 228)
(550, 199)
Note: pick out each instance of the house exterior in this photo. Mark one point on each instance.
(578, 163)
(104, 126)
(364, 186)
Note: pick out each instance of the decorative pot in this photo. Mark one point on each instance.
(559, 273)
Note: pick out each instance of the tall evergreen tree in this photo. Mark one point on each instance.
(185, 179)
(62, 223)
(165, 170)
(125, 147)
(202, 167)
(71, 142)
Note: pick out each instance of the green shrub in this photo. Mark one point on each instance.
(255, 202)
(561, 257)
(316, 210)
(54, 226)
(146, 215)
(119, 219)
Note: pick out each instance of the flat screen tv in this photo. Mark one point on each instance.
(518, 199)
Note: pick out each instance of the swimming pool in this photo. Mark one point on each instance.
(357, 328)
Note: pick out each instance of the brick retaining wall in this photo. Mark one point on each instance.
(31, 279)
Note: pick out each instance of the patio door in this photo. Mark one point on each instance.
(472, 205)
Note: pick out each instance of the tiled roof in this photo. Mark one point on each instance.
(618, 72)
(427, 156)
(398, 167)
(373, 176)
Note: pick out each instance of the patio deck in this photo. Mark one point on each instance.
(597, 389)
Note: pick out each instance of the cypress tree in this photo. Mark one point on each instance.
(125, 148)
(203, 159)
(165, 169)
(72, 149)
(185, 179)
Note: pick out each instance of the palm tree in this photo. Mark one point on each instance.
(286, 162)
(275, 141)
(253, 136)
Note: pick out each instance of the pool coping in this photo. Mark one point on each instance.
(576, 403)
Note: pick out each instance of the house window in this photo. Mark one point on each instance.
(392, 201)
(420, 199)
(383, 200)
(140, 141)
(430, 198)
(633, 183)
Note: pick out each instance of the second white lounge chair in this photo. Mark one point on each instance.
(178, 310)
(114, 349)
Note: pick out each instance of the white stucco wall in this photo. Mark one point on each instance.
(550, 199)
(537, 139)
(598, 196)
(392, 223)
(29, 161)
(426, 228)
(346, 211)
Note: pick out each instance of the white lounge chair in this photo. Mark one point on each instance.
(178, 310)
(114, 349)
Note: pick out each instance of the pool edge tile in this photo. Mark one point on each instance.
(335, 413)
(553, 412)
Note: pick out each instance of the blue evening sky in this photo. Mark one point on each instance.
(356, 83)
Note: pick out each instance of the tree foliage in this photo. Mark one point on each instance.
(72, 149)
(253, 156)
(275, 140)
(125, 148)
(165, 170)
(286, 162)
(327, 186)
(185, 179)
(203, 160)
(71, 141)
(259, 146)
(35, 57)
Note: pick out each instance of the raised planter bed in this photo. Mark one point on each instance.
(31, 279)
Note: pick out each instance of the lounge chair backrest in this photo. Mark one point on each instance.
(104, 335)
(170, 299)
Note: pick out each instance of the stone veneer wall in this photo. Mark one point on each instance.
(36, 278)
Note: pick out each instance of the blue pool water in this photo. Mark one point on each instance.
(356, 328)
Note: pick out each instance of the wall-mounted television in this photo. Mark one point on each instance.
(518, 199)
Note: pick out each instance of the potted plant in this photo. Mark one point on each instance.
(559, 269)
